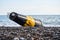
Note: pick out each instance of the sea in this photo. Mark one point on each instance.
(47, 20)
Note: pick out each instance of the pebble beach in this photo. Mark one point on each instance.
(28, 33)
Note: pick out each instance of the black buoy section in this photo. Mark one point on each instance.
(24, 20)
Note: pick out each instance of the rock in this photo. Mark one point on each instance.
(27, 33)
(16, 38)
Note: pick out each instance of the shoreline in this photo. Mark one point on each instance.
(22, 26)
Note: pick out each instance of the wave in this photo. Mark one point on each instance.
(47, 20)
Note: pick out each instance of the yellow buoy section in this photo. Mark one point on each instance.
(30, 21)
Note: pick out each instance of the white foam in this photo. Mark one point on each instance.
(51, 25)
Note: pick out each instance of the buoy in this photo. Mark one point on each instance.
(24, 20)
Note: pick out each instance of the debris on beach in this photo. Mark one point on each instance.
(25, 21)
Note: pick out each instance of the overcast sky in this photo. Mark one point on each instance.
(30, 7)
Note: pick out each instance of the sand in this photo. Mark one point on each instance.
(27, 33)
